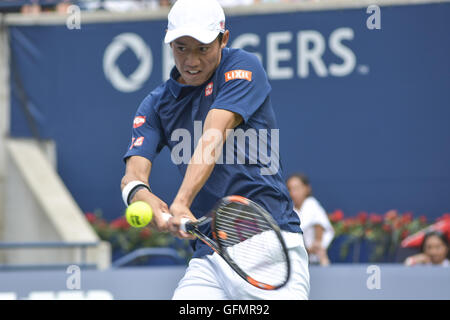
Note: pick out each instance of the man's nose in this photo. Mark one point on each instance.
(192, 60)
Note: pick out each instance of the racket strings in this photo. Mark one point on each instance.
(261, 257)
(242, 227)
(243, 214)
(252, 244)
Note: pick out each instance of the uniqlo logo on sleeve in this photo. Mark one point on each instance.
(139, 141)
(209, 89)
(238, 74)
(136, 142)
(138, 121)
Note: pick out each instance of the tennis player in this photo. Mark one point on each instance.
(224, 89)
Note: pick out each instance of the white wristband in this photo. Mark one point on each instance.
(130, 187)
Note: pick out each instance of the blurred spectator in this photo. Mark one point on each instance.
(434, 251)
(165, 3)
(233, 3)
(39, 6)
(31, 8)
(317, 230)
(124, 5)
(63, 6)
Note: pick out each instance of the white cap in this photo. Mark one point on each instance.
(199, 19)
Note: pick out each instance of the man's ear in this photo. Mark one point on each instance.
(225, 38)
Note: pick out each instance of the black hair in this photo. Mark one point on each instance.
(302, 177)
(220, 37)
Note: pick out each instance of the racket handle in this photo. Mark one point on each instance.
(184, 221)
(166, 216)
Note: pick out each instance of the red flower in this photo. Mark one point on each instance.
(423, 219)
(336, 216)
(390, 215)
(386, 227)
(375, 218)
(397, 223)
(407, 217)
(349, 222)
(120, 223)
(91, 218)
(362, 217)
(145, 233)
(445, 216)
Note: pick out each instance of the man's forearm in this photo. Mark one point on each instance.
(318, 232)
(195, 178)
(199, 170)
(209, 147)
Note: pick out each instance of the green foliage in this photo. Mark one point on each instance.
(385, 231)
(125, 238)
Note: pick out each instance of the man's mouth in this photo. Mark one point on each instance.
(191, 72)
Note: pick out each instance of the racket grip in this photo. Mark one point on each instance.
(167, 216)
(184, 221)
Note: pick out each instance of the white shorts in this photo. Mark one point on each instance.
(211, 278)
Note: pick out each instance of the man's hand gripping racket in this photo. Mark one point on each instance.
(247, 238)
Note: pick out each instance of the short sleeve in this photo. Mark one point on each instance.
(146, 137)
(243, 85)
(315, 214)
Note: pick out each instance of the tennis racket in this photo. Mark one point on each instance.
(247, 237)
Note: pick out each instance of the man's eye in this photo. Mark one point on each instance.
(181, 49)
(204, 49)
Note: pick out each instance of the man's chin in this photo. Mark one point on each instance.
(194, 80)
(195, 83)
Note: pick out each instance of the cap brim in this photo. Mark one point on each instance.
(198, 34)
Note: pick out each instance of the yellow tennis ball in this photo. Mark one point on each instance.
(139, 214)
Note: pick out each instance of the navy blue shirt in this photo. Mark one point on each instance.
(173, 115)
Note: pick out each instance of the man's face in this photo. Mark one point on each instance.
(197, 61)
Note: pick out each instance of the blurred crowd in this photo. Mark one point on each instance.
(433, 242)
(37, 6)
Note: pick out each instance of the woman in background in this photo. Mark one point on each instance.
(317, 229)
(434, 251)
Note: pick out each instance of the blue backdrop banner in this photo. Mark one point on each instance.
(364, 112)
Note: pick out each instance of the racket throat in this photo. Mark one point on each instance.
(260, 284)
(209, 243)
